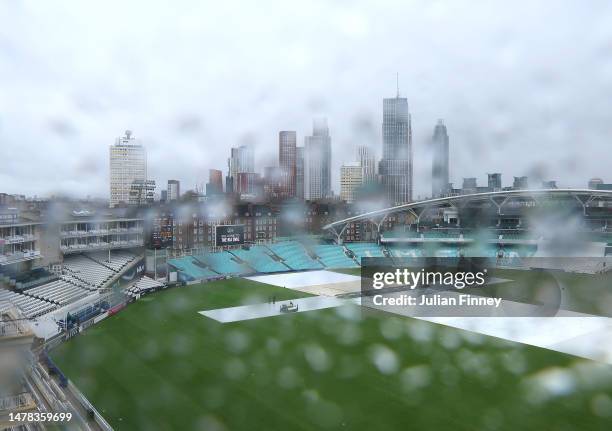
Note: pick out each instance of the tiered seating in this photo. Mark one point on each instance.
(437, 234)
(193, 269)
(333, 256)
(294, 255)
(481, 235)
(406, 252)
(30, 307)
(365, 249)
(73, 280)
(517, 236)
(119, 259)
(223, 263)
(258, 257)
(59, 292)
(88, 271)
(144, 285)
(400, 233)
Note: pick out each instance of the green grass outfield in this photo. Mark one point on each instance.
(160, 365)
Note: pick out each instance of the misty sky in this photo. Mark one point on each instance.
(524, 88)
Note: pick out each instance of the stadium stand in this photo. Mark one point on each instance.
(224, 263)
(71, 279)
(144, 285)
(30, 307)
(446, 252)
(333, 256)
(365, 249)
(192, 269)
(257, 257)
(88, 271)
(399, 232)
(406, 252)
(119, 259)
(436, 234)
(39, 291)
(481, 235)
(294, 255)
(59, 292)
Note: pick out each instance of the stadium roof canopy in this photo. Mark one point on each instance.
(583, 196)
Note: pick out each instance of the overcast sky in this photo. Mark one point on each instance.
(524, 87)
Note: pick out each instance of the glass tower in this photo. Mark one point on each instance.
(395, 168)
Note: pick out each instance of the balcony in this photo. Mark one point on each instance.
(79, 248)
(19, 239)
(100, 232)
(85, 233)
(14, 239)
(20, 256)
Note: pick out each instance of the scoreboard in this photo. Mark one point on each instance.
(229, 235)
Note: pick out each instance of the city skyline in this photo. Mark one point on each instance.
(261, 215)
(523, 105)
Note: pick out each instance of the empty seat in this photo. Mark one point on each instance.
(258, 258)
(224, 263)
(192, 269)
(333, 256)
(294, 255)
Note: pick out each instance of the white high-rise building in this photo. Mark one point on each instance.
(351, 178)
(128, 163)
(317, 162)
(241, 160)
(366, 158)
(174, 190)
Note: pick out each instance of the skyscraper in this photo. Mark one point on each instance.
(494, 182)
(366, 159)
(128, 163)
(299, 173)
(142, 192)
(395, 168)
(351, 178)
(287, 162)
(520, 183)
(317, 162)
(247, 184)
(215, 183)
(174, 190)
(470, 186)
(274, 183)
(439, 165)
(241, 161)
